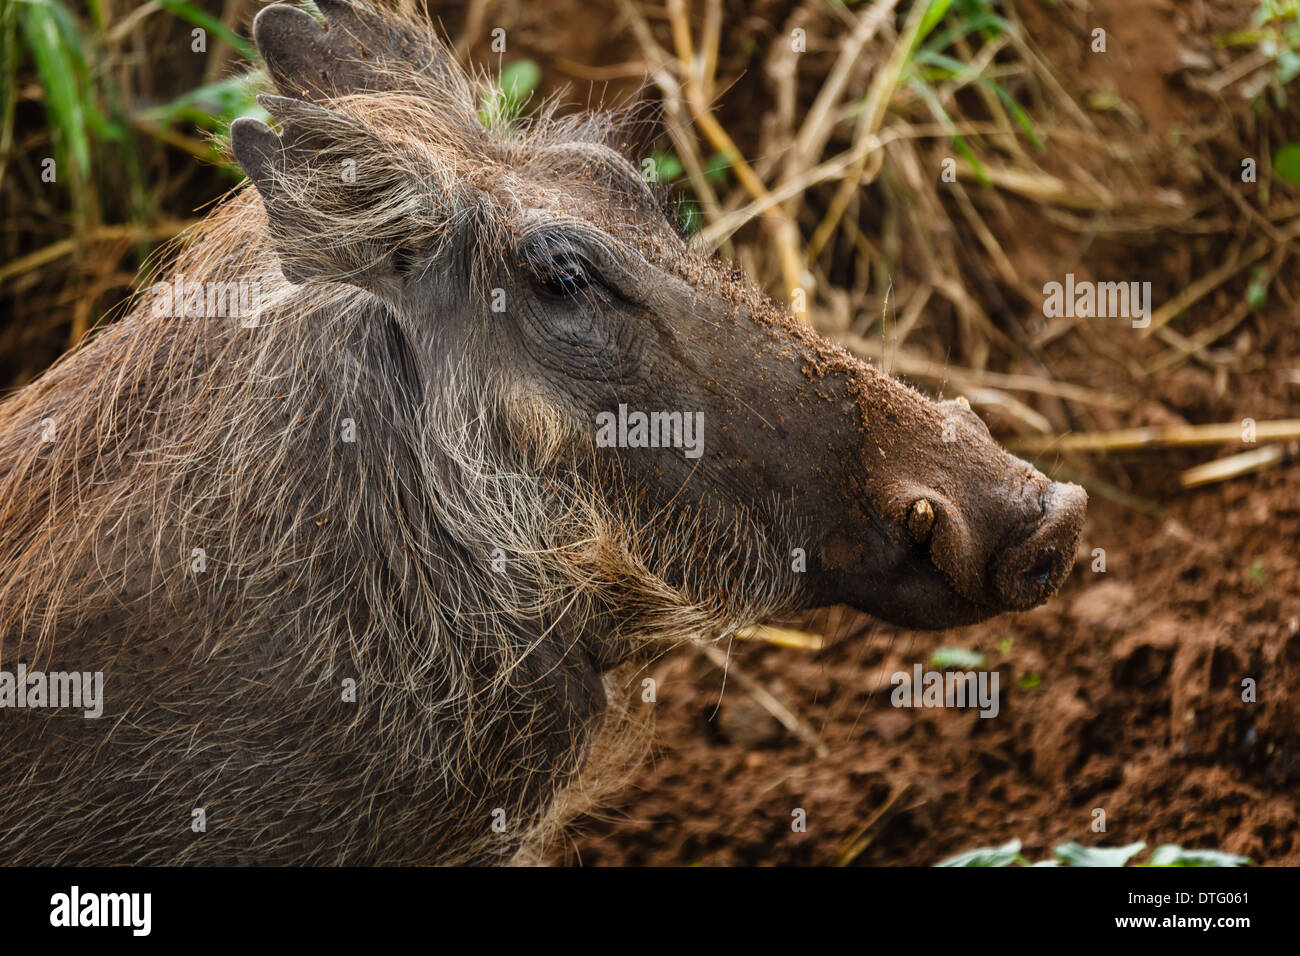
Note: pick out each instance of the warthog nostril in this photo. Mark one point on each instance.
(1029, 572)
(1030, 576)
(920, 520)
(1040, 572)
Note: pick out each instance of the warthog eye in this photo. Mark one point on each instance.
(557, 265)
(564, 274)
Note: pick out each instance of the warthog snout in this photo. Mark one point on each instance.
(1030, 570)
(940, 525)
(1009, 553)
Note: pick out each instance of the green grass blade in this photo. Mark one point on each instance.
(958, 143)
(201, 18)
(933, 14)
(8, 84)
(979, 22)
(1017, 112)
(64, 104)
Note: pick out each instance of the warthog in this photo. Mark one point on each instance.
(355, 569)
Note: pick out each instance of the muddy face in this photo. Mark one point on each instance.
(906, 508)
(547, 274)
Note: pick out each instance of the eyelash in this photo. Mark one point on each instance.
(560, 272)
(563, 278)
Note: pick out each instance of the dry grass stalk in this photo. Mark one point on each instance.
(66, 247)
(1216, 277)
(767, 700)
(1234, 466)
(782, 637)
(917, 366)
(860, 840)
(1156, 437)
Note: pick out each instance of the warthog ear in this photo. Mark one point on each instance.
(363, 50)
(341, 203)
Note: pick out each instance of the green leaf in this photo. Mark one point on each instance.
(980, 21)
(667, 167)
(1076, 854)
(1257, 288)
(1288, 66)
(692, 218)
(949, 66)
(957, 658)
(1017, 112)
(1029, 681)
(519, 79)
(959, 144)
(1240, 38)
(212, 107)
(1003, 855)
(1170, 854)
(8, 88)
(976, 166)
(1286, 163)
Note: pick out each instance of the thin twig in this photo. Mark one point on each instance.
(1156, 437)
(65, 247)
(1215, 278)
(782, 637)
(1234, 466)
(765, 699)
(864, 835)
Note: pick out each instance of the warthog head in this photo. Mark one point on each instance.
(533, 274)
